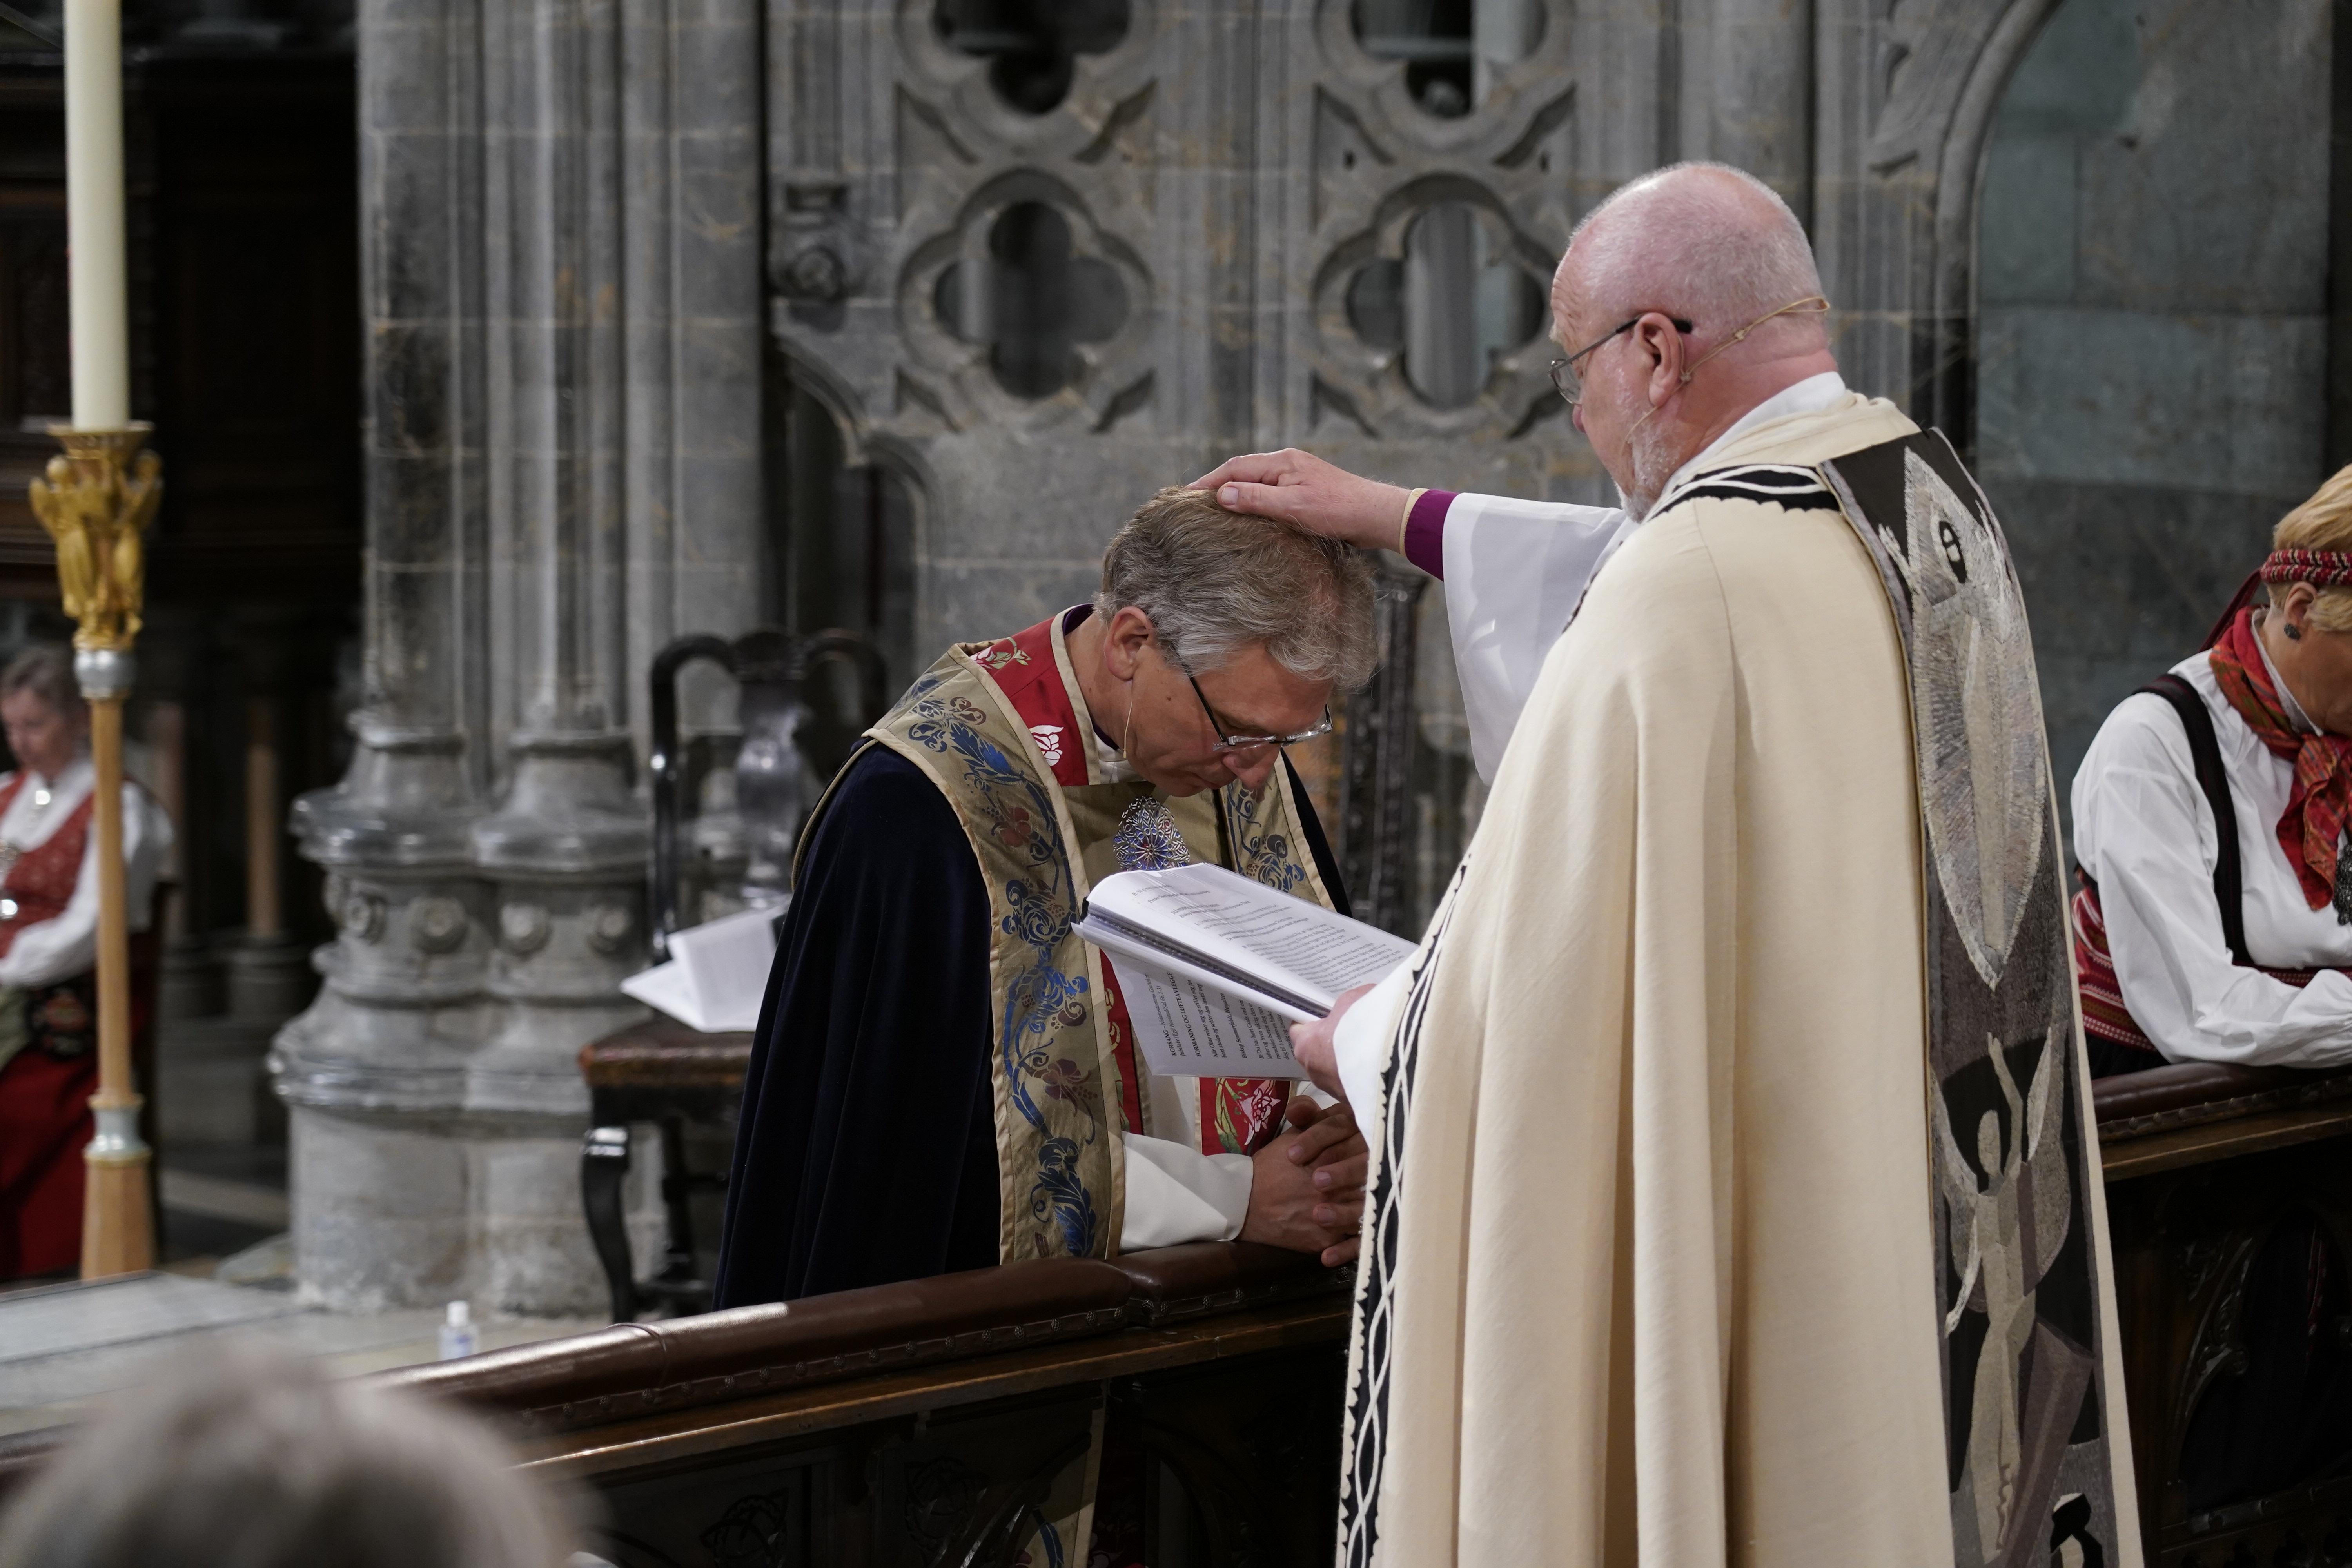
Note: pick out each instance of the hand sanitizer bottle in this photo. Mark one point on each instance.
(457, 1337)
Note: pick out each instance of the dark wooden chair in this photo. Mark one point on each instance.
(661, 1073)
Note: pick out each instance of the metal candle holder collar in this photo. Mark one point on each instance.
(96, 500)
(789, 750)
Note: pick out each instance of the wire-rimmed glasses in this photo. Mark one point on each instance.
(1251, 742)
(1567, 381)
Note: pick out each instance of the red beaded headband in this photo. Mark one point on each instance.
(2320, 568)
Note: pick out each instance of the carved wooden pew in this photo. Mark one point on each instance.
(917, 1423)
(2204, 1165)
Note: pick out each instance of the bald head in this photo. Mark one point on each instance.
(1665, 296)
(1706, 242)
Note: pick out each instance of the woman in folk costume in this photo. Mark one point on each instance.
(49, 939)
(2214, 923)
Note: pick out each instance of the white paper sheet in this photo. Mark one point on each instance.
(716, 975)
(1187, 1030)
(1206, 1019)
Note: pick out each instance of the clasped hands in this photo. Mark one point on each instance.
(1306, 1187)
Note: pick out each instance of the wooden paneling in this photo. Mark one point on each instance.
(2201, 1182)
(34, 378)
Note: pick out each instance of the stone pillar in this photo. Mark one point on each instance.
(561, 277)
(1747, 90)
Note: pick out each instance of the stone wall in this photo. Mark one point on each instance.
(2151, 351)
(1033, 276)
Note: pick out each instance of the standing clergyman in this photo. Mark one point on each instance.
(1730, 1200)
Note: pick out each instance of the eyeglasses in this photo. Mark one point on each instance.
(1567, 381)
(1251, 742)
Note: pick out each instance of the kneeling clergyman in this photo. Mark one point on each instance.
(2214, 921)
(944, 1075)
(1734, 1196)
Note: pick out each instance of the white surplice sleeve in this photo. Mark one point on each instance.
(1176, 1194)
(1362, 1041)
(2144, 834)
(60, 948)
(1514, 572)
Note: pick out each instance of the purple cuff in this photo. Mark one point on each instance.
(1424, 531)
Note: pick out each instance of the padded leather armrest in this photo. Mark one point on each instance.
(2186, 1094)
(662, 1053)
(1217, 1276)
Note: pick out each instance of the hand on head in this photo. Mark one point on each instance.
(1217, 640)
(1320, 497)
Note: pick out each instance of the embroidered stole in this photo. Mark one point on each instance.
(998, 728)
(2033, 1428)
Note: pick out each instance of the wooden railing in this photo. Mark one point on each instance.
(919, 1423)
(915, 1423)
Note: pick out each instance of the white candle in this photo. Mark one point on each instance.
(99, 297)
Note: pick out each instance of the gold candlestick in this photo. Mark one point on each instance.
(96, 501)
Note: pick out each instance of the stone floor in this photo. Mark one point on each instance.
(224, 1266)
(221, 1137)
(64, 1348)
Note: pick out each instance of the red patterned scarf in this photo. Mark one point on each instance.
(2312, 830)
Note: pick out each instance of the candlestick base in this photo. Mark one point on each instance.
(118, 1223)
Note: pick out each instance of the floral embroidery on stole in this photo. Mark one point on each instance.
(1054, 1071)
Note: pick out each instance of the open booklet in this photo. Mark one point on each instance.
(716, 975)
(1215, 967)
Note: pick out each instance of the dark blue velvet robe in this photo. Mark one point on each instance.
(866, 1152)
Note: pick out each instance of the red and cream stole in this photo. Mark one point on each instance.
(1237, 1115)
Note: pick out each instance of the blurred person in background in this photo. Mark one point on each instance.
(49, 948)
(251, 1460)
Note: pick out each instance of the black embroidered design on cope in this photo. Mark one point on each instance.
(2029, 1418)
(1367, 1411)
(1773, 484)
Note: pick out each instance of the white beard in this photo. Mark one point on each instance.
(1654, 462)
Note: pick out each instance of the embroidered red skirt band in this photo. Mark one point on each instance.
(2105, 1015)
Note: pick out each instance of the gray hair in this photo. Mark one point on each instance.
(45, 669)
(1705, 241)
(1213, 581)
(261, 1461)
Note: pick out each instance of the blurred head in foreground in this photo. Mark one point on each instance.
(259, 1461)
